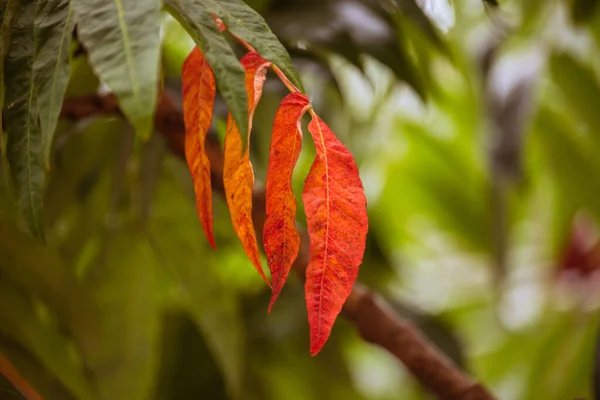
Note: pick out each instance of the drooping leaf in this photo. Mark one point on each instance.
(122, 38)
(238, 175)
(24, 146)
(54, 23)
(247, 24)
(7, 12)
(281, 240)
(336, 212)
(199, 90)
(196, 18)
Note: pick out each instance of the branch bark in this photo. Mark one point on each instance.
(373, 318)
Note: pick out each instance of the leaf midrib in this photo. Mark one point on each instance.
(326, 237)
(126, 47)
(36, 223)
(58, 64)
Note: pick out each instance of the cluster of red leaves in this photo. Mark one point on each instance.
(333, 194)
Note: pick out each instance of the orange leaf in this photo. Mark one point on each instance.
(238, 175)
(280, 237)
(199, 88)
(336, 211)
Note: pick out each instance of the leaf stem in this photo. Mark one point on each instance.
(284, 79)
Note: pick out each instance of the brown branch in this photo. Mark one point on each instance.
(373, 318)
(10, 372)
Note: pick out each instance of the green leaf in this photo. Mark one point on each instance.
(122, 38)
(24, 148)
(247, 24)
(54, 24)
(7, 13)
(194, 16)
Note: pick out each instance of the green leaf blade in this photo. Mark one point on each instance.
(54, 23)
(8, 12)
(247, 24)
(123, 42)
(195, 17)
(24, 146)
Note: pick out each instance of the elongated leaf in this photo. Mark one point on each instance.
(238, 175)
(122, 38)
(248, 25)
(54, 24)
(194, 16)
(8, 11)
(336, 212)
(199, 90)
(281, 240)
(24, 147)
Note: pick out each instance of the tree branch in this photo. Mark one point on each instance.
(373, 318)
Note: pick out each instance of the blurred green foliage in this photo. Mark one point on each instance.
(476, 127)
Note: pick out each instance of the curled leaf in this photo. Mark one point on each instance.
(238, 176)
(336, 211)
(281, 240)
(199, 89)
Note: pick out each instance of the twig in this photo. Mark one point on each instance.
(14, 377)
(373, 318)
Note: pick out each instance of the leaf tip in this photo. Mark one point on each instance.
(274, 296)
(316, 347)
(211, 240)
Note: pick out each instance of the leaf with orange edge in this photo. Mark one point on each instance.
(199, 89)
(336, 211)
(238, 176)
(281, 240)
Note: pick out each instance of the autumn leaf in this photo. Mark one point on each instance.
(281, 240)
(199, 89)
(238, 175)
(336, 211)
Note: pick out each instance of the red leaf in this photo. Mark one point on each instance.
(281, 240)
(199, 88)
(336, 211)
(238, 175)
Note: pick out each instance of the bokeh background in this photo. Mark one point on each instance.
(476, 128)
